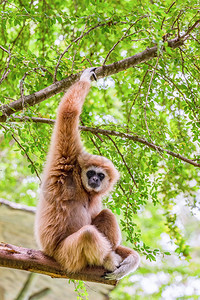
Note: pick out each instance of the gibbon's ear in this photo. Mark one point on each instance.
(86, 160)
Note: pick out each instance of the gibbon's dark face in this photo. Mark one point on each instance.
(95, 178)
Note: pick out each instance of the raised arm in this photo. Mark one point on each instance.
(66, 141)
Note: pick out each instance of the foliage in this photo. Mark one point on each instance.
(81, 290)
(156, 100)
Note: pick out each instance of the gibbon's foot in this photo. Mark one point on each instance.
(87, 74)
(112, 261)
(129, 264)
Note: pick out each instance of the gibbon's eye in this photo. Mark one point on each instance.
(101, 176)
(90, 173)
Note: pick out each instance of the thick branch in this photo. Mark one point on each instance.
(103, 71)
(36, 261)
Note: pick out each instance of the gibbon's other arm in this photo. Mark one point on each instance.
(66, 138)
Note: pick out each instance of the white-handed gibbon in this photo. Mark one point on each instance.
(70, 223)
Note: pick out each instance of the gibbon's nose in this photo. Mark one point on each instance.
(94, 182)
(95, 179)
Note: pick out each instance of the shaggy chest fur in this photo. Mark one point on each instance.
(71, 207)
(72, 201)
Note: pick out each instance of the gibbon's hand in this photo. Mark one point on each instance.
(87, 74)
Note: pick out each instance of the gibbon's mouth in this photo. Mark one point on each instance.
(94, 185)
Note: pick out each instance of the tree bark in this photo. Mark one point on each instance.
(60, 86)
(36, 261)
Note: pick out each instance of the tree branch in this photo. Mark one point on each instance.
(103, 71)
(124, 161)
(26, 289)
(7, 70)
(17, 206)
(123, 37)
(83, 34)
(5, 50)
(36, 261)
(136, 138)
(105, 132)
(40, 294)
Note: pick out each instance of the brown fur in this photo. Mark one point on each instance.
(70, 223)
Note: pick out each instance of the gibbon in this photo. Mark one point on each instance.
(70, 224)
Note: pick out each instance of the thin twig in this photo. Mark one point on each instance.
(26, 289)
(195, 25)
(113, 47)
(167, 13)
(93, 141)
(28, 157)
(95, 144)
(193, 62)
(40, 294)
(7, 70)
(1, 47)
(21, 85)
(133, 102)
(147, 95)
(74, 41)
(123, 37)
(124, 161)
(183, 72)
(15, 40)
(177, 18)
(169, 80)
(195, 39)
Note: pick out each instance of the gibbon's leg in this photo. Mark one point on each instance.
(85, 247)
(106, 223)
(130, 263)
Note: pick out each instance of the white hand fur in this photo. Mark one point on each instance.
(87, 74)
